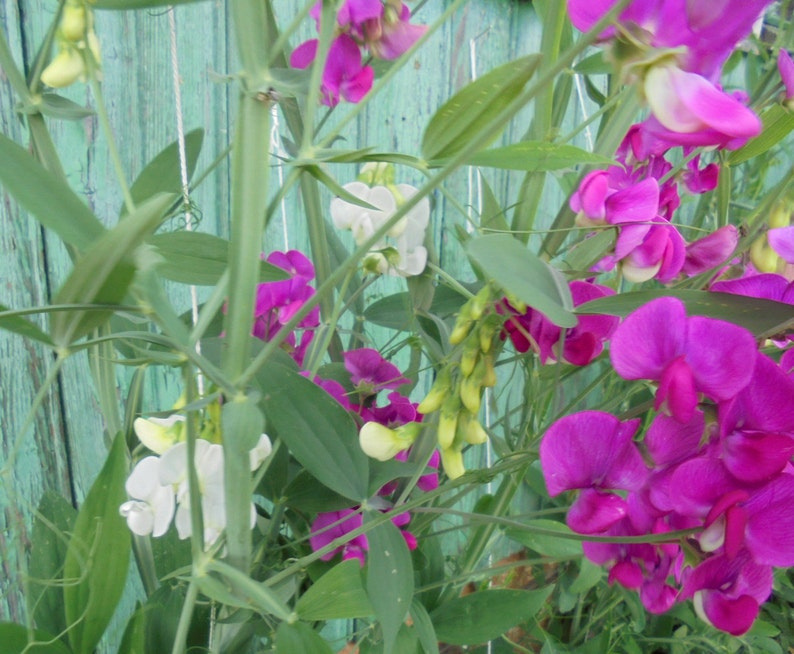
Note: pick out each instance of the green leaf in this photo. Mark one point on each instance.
(48, 198)
(424, 627)
(393, 311)
(98, 555)
(335, 187)
(583, 255)
(492, 217)
(320, 434)
(104, 273)
(162, 611)
(544, 543)
(134, 639)
(56, 106)
(14, 638)
(486, 615)
(537, 156)
(595, 64)
(764, 318)
(467, 112)
(306, 493)
(162, 174)
(13, 322)
(390, 579)
(300, 637)
(519, 272)
(778, 123)
(199, 258)
(54, 522)
(253, 593)
(338, 594)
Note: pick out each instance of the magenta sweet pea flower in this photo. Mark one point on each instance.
(327, 527)
(392, 35)
(582, 343)
(370, 372)
(710, 251)
(693, 111)
(785, 66)
(727, 593)
(344, 76)
(686, 355)
(612, 197)
(593, 452)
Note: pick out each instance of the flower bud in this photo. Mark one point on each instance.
(160, 434)
(73, 22)
(437, 394)
(461, 329)
(452, 461)
(382, 443)
(478, 303)
(470, 355)
(488, 378)
(475, 434)
(470, 393)
(67, 67)
(448, 421)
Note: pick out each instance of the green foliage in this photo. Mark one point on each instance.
(97, 558)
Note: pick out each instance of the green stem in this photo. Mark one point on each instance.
(327, 25)
(185, 618)
(194, 489)
(318, 241)
(104, 123)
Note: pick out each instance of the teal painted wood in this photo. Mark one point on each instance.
(67, 444)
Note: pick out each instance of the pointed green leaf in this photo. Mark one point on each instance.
(306, 493)
(14, 639)
(486, 615)
(48, 198)
(255, 593)
(199, 258)
(163, 174)
(320, 434)
(300, 637)
(134, 639)
(585, 254)
(338, 594)
(97, 558)
(104, 273)
(492, 218)
(14, 322)
(519, 272)
(424, 627)
(536, 156)
(467, 112)
(545, 544)
(390, 580)
(778, 123)
(56, 106)
(764, 318)
(243, 424)
(53, 524)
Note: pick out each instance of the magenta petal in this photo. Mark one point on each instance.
(637, 203)
(781, 240)
(594, 512)
(304, 54)
(770, 527)
(591, 196)
(721, 355)
(785, 66)
(711, 250)
(649, 338)
(734, 616)
(756, 458)
(627, 573)
(699, 484)
(591, 449)
(676, 393)
(669, 441)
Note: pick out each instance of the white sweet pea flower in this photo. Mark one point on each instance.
(152, 507)
(406, 256)
(382, 443)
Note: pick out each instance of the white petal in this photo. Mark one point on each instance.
(144, 481)
(260, 452)
(159, 434)
(140, 517)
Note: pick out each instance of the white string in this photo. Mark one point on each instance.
(180, 129)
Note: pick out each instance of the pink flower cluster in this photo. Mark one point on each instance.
(381, 27)
(369, 374)
(715, 460)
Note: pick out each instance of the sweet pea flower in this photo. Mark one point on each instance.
(382, 443)
(686, 355)
(727, 593)
(370, 372)
(711, 250)
(152, 507)
(329, 526)
(393, 34)
(582, 343)
(785, 66)
(612, 197)
(593, 452)
(160, 434)
(693, 111)
(344, 76)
